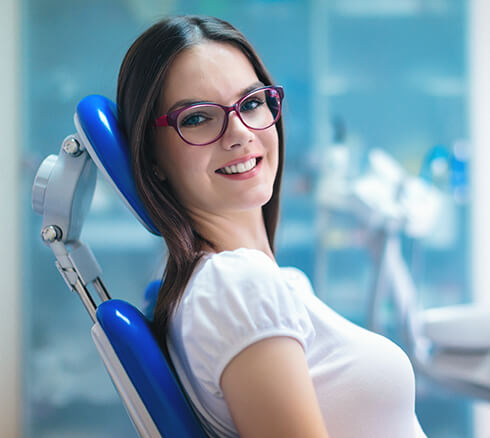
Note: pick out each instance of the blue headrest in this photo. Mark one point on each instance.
(96, 120)
(146, 366)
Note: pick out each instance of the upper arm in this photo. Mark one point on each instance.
(269, 391)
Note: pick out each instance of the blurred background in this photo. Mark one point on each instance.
(406, 78)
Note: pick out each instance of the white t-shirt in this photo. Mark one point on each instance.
(364, 382)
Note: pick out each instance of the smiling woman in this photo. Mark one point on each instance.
(146, 90)
(258, 354)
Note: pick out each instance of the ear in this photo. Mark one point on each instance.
(159, 173)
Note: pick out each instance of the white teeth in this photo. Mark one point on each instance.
(240, 167)
(250, 164)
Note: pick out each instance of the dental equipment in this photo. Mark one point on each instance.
(62, 194)
(451, 344)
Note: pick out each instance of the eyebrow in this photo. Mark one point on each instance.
(188, 102)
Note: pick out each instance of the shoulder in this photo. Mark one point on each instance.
(239, 263)
(241, 291)
(237, 298)
(234, 271)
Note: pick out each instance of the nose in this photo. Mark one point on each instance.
(236, 133)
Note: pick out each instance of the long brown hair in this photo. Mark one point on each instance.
(141, 78)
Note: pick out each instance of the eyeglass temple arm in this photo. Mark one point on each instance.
(162, 121)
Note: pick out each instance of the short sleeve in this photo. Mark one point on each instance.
(237, 298)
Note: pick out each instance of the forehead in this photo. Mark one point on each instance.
(210, 71)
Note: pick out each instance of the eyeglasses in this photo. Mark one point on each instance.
(203, 123)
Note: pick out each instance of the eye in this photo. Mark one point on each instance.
(251, 104)
(192, 120)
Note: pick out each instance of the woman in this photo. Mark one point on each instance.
(258, 354)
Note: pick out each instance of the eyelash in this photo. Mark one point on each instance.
(255, 100)
(191, 116)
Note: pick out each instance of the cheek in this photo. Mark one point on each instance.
(170, 153)
(182, 165)
(271, 141)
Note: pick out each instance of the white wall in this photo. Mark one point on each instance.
(10, 291)
(479, 116)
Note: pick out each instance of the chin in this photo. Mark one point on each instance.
(264, 199)
(253, 203)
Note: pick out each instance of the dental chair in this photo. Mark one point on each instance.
(62, 193)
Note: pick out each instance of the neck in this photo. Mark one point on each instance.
(233, 230)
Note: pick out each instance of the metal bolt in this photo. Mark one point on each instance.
(51, 233)
(72, 147)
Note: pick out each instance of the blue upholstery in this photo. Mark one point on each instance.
(99, 121)
(146, 366)
(125, 327)
(150, 299)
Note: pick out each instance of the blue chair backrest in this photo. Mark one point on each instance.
(126, 328)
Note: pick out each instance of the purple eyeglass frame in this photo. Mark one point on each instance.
(170, 119)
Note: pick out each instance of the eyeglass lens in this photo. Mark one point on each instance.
(204, 123)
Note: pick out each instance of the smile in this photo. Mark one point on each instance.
(240, 167)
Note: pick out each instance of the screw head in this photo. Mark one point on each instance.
(51, 233)
(71, 146)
